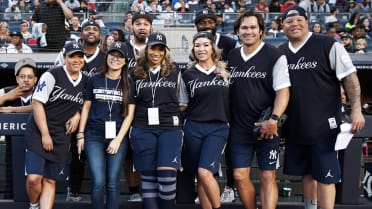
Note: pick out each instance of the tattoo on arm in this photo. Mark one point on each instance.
(352, 90)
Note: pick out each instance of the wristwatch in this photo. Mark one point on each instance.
(274, 117)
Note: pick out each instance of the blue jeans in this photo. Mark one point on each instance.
(104, 168)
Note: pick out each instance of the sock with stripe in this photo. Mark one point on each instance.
(149, 186)
(167, 188)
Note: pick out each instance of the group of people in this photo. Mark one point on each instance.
(137, 99)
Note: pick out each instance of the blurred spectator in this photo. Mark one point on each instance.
(228, 8)
(12, 13)
(118, 35)
(154, 7)
(23, 7)
(35, 4)
(347, 42)
(193, 2)
(357, 33)
(83, 8)
(308, 5)
(322, 7)
(261, 6)
(333, 17)
(72, 4)
(93, 15)
(220, 5)
(91, 5)
(275, 28)
(165, 3)
(287, 4)
(367, 5)
(342, 5)
(361, 46)
(181, 6)
(129, 15)
(317, 28)
(4, 34)
(332, 32)
(274, 6)
(367, 27)
(17, 45)
(25, 30)
(359, 7)
(74, 25)
(139, 5)
(107, 41)
(353, 21)
(52, 14)
(219, 23)
(350, 6)
(127, 27)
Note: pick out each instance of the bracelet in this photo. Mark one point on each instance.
(81, 138)
(79, 135)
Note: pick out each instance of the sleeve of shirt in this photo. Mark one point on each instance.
(280, 74)
(44, 87)
(340, 61)
(183, 95)
(2, 92)
(88, 93)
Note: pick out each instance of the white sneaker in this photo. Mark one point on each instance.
(73, 197)
(135, 198)
(196, 200)
(228, 195)
(34, 207)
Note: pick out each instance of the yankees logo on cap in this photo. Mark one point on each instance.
(157, 38)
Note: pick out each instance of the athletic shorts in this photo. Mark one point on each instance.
(204, 145)
(152, 148)
(267, 154)
(35, 164)
(318, 160)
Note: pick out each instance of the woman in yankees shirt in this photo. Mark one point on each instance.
(156, 135)
(207, 115)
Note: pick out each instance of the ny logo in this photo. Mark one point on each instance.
(273, 155)
(75, 46)
(159, 37)
(205, 12)
(117, 45)
(40, 86)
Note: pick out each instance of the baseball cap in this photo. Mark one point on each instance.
(120, 47)
(203, 34)
(157, 38)
(23, 63)
(294, 11)
(16, 33)
(141, 14)
(205, 13)
(71, 48)
(90, 23)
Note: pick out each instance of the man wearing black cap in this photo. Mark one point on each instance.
(317, 65)
(17, 45)
(206, 20)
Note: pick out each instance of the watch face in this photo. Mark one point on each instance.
(274, 117)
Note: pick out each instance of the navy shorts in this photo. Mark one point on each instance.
(204, 145)
(36, 164)
(318, 160)
(267, 154)
(154, 148)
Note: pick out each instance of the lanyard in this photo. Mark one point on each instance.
(112, 97)
(153, 87)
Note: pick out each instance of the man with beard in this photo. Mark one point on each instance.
(141, 28)
(206, 20)
(94, 57)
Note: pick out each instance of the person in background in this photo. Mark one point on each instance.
(317, 28)
(347, 41)
(275, 27)
(17, 45)
(17, 99)
(25, 30)
(72, 4)
(53, 14)
(4, 34)
(310, 136)
(74, 25)
(23, 7)
(142, 28)
(274, 6)
(361, 46)
(106, 117)
(261, 6)
(56, 105)
(107, 41)
(261, 70)
(12, 13)
(93, 16)
(119, 35)
(156, 135)
(206, 107)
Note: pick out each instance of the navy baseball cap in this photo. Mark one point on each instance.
(16, 33)
(294, 11)
(157, 38)
(72, 48)
(90, 23)
(120, 47)
(205, 13)
(141, 14)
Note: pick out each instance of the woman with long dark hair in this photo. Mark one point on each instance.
(105, 120)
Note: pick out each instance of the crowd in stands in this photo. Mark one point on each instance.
(328, 20)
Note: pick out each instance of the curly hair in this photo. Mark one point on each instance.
(141, 70)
